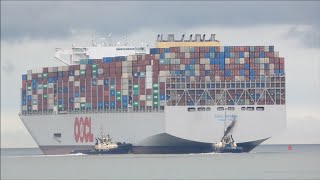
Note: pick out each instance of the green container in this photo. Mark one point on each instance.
(155, 103)
(118, 98)
(39, 86)
(88, 105)
(136, 92)
(29, 87)
(135, 86)
(94, 66)
(94, 72)
(45, 86)
(83, 61)
(82, 72)
(34, 102)
(142, 74)
(45, 75)
(45, 96)
(135, 103)
(155, 86)
(39, 75)
(111, 86)
(155, 91)
(60, 106)
(83, 105)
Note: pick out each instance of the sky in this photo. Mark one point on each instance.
(30, 32)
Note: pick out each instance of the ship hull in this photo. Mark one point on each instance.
(176, 130)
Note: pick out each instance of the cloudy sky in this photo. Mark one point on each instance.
(30, 31)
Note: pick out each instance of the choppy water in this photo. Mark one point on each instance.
(265, 162)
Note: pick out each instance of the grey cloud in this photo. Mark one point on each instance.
(309, 37)
(58, 19)
(8, 67)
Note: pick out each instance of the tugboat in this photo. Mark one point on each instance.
(106, 146)
(227, 143)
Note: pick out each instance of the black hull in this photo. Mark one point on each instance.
(124, 149)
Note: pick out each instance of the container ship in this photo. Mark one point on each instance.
(176, 97)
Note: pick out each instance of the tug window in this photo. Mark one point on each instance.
(231, 108)
(250, 108)
(208, 109)
(260, 108)
(191, 109)
(220, 108)
(201, 109)
(243, 108)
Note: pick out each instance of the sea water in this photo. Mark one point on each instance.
(264, 162)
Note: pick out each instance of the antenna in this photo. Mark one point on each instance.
(110, 39)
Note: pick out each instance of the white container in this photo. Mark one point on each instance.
(142, 97)
(276, 54)
(40, 91)
(266, 60)
(182, 67)
(149, 103)
(34, 97)
(157, 56)
(60, 68)
(167, 55)
(100, 71)
(82, 66)
(227, 60)
(172, 55)
(77, 105)
(82, 99)
(261, 72)
(50, 85)
(246, 54)
(77, 83)
(125, 92)
(261, 60)
(65, 68)
(76, 99)
(71, 78)
(271, 66)
(34, 107)
(217, 78)
(187, 55)
(76, 72)
(29, 77)
(29, 72)
(241, 60)
(50, 96)
(100, 82)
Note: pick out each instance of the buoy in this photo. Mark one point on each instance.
(289, 147)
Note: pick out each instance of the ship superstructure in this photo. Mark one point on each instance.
(176, 98)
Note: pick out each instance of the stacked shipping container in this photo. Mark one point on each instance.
(167, 76)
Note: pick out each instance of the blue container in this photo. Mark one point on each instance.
(77, 94)
(227, 54)
(107, 59)
(221, 66)
(227, 73)
(211, 49)
(261, 54)
(82, 88)
(65, 90)
(187, 67)
(52, 80)
(207, 72)
(60, 89)
(241, 54)
(221, 55)
(24, 77)
(217, 55)
(192, 73)
(60, 100)
(71, 73)
(106, 82)
(112, 104)
(246, 66)
(211, 61)
(166, 50)
(251, 55)
(252, 72)
(281, 72)
(60, 74)
(221, 61)
(112, 92)
(226, 49)
(207, 55)
(252, 77)
(271, 48)
(90, 61)
(94, 82)
(182, 72)
(34, 81)
(24, 103)
(161, 56)
(112, 81)
(34, 86)
(192, 61)
(106, 104)
(167, 97)
(154, 50)
(162, 97)
(100, 104)
(29, 97)
(71, 99)
(191, 49)
(177, 72)
(124, 98)
(242, 73)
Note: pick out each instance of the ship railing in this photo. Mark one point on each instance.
(93, 111)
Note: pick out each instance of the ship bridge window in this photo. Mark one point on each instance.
(57, 135)
(243, 108)
(208, 109)
(250, 108)
(230, 108)
(220, 108)
(191, 109)
(260, 108)
(201, 108)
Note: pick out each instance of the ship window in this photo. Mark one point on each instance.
(220, 108)
(191, 109)
(208, 109)
(260, 108)
(231, 108)
(201, 109)
(243, 108)
(57, 135)
(250, 108)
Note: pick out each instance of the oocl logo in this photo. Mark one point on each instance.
(82, 130)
